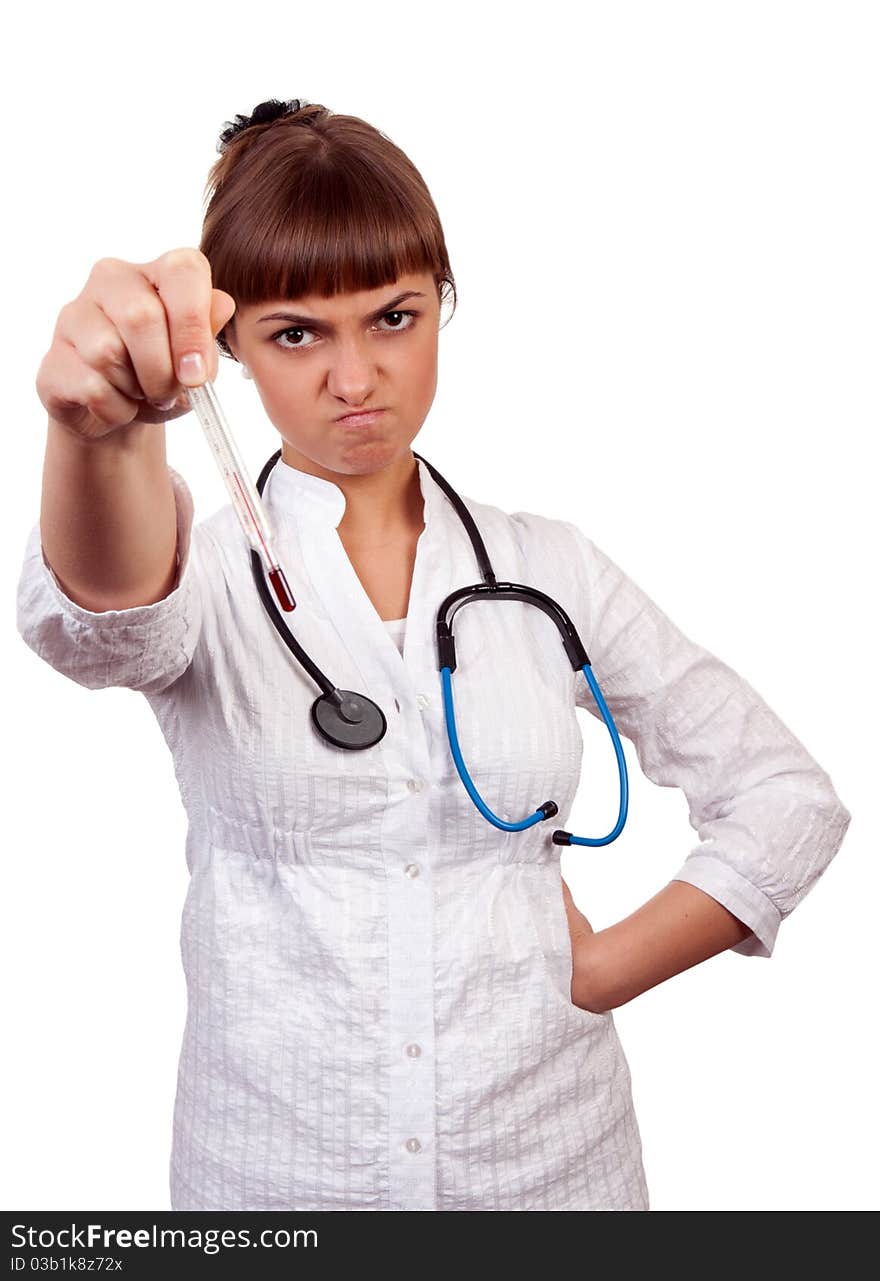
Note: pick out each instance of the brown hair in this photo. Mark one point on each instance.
(305, 201)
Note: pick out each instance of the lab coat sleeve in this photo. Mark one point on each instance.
(143, 648)
(768, 817)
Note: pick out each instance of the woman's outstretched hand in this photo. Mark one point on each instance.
(585, 987)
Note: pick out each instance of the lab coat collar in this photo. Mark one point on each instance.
(312, 507)
(303, 495)
(311, 498)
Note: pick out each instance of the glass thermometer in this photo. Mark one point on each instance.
(245, 499)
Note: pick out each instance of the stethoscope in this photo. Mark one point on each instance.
(352, 720)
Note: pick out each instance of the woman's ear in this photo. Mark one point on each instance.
(228, 336)
(222, 317)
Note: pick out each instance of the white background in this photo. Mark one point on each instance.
(662, 219)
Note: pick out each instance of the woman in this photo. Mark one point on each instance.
(393, 1004)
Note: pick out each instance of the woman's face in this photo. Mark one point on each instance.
(315, 359)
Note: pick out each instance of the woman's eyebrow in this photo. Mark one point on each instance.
(323, 324)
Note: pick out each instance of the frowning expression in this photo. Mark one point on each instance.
(317, 360)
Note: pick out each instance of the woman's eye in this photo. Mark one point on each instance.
(410, 314)
(292, 346)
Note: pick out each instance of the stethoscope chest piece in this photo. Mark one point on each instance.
(348, 719)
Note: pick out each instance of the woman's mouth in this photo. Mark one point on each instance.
(364, 419)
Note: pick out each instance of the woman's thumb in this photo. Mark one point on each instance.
(577, 922)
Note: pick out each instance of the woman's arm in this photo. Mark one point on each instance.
(767, 815)
(107, 518)
(678, 928)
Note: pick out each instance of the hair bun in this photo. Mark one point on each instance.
(262, 114)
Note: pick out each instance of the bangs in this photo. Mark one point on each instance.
(331, 236)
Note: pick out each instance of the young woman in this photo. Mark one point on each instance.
(393, 1003)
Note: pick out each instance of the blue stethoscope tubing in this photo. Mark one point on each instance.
(351, 720)
(539, 815)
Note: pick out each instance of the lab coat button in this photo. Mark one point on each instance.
(414, 784)
(411, 869)
(413, 1145)
(422, 701)
(413, 1050)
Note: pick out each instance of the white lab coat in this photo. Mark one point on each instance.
(379, 1012)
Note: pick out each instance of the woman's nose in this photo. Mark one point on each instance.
(352, 371)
